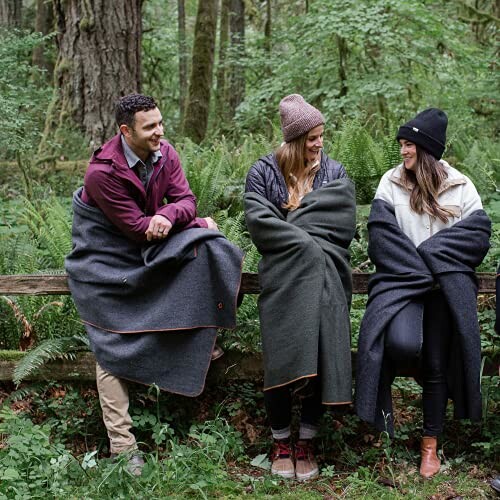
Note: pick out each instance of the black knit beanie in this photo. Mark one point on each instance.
(428, 130)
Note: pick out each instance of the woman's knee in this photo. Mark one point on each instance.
(401, 350)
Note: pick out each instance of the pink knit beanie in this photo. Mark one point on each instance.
(298, 116)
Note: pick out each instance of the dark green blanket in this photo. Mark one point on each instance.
(306, 287)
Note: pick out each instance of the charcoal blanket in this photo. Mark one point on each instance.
(306, 287)
(151, 310)
(404, 273)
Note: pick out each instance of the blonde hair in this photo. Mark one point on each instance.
(298, 176)
(424, 183)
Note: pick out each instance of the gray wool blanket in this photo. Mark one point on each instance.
(151, 310)
(306, 287)
(404, 273)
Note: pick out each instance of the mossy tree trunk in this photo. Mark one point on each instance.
(183, 77)
(220, 94)
(11, 13)
(343, 54)
(200, 83)
(268, 26)
(98, 61)
(44, 23)
(237, 75)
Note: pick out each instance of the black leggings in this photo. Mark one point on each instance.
(435, 356)
(437, 326)
(278, 404)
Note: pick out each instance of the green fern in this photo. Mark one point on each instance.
(24, 392)
(482, 164)
(49, 350)
(362, 158)
(217, 173)
(50, 225)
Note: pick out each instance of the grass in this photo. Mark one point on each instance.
(52, 435)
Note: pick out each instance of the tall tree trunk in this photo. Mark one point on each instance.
(237, 77)
(343, 52)
(11, 13)
(200, 84)
(183, 81)
(99, 44)
(220, 104)
(44, 23)
(267, 27)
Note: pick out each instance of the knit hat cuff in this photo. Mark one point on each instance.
(418, 136)
(302, 125)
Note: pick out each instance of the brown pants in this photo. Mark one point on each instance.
(113, 396)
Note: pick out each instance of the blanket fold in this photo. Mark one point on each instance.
(150, 308)
(306, 287)
(404, 273)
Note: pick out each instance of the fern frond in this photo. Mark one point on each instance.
(50, 225)
(48, 350)
(252, 259)
(24, 392)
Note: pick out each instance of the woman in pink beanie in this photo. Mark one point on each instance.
(306, 345)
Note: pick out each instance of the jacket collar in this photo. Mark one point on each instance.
(112, 152)
(133, 159)
(454, 178)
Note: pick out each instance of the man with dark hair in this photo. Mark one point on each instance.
(140, 212)
(150, 292)
(128, 106)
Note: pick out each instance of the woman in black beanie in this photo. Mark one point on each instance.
(300, 211)
(426, 227)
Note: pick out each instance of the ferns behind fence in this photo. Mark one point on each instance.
(364, 159)
(39, 237)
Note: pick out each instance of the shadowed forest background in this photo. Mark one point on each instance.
(218, 69)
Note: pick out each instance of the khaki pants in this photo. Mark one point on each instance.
(113, 396)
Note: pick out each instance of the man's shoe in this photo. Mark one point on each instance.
(430, 463)
(135, 462)
(217, 352)
(495, 484)
(282, 463)
(306, 466)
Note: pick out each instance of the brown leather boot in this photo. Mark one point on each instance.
(430, 463)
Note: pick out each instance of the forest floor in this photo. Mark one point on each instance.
(217, 445)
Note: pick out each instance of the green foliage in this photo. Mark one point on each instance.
(24, 95)
(489, 444)
(209, 458)
(49, 350)
(363, 159)
(480, 160)
(50, 225)
(31, 462)
(45, 242)
(367, 60)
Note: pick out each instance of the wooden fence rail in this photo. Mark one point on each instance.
(57, 284)
(234, 365)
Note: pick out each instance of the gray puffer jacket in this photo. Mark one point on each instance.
(265, 178)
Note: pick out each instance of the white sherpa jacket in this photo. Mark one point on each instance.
(457, 193)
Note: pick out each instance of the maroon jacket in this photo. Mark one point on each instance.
(117, 190)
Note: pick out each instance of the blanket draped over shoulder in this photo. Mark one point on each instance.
(404, 273)
(151, 310)
(306, 287)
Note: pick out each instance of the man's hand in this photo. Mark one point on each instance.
(159, 227)
(211, 223)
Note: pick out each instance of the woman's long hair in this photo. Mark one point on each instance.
(298, 177)
(424, 182)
